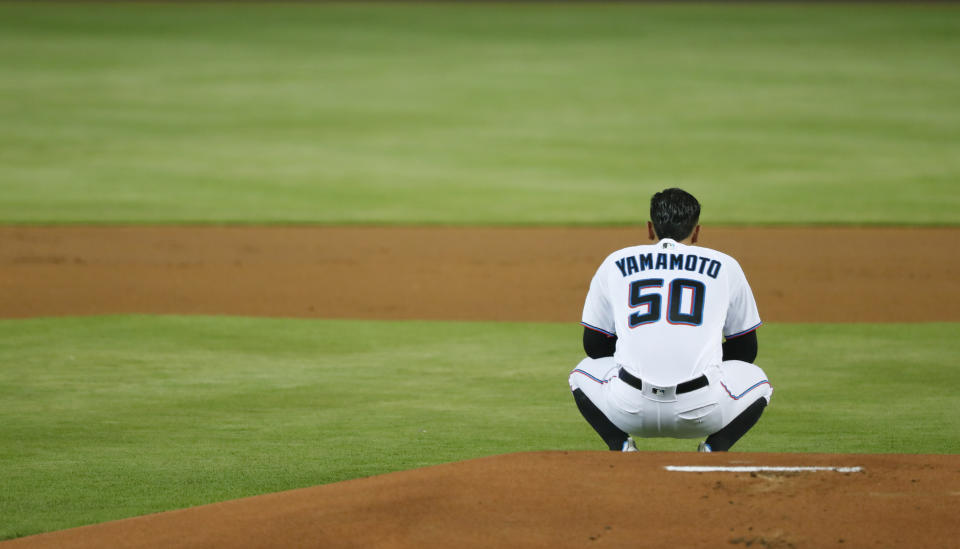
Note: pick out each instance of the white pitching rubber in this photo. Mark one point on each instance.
(759, 469)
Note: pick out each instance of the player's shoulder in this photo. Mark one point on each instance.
(723, 257)
(635, 250)
(717, 254)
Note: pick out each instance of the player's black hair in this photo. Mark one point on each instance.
(674, 213)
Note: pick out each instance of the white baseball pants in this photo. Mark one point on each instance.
(659, 411)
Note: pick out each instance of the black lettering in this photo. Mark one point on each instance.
(620, 265)
(703, 263)
(646, 262)
(714, 269)
(632, 265)
(676, 261)
(691, 263)
(661, 261)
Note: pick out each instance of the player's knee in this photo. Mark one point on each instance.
(745, 382)
(764, 386)
(768, 393)
(572, 380)
(584, 370)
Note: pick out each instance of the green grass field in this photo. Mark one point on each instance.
(120, 416)
(429, 114)
(477, 114)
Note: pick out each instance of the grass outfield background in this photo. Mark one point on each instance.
(120, 416)
(479, 114)
(468, 114)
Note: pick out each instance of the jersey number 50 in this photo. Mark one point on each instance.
(677, 313)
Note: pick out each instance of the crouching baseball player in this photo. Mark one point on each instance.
(670, 332)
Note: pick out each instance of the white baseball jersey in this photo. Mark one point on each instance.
(670, 305)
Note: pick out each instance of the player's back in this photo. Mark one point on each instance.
(670, 305)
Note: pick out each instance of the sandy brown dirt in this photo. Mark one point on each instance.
(576, 499)
(555, 499)
(533, 274)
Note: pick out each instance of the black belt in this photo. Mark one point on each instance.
(685, 387)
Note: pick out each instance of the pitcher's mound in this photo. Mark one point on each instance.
(580, 499)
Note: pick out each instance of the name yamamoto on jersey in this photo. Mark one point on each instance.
(632, 264)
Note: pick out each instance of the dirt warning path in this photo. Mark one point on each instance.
(577, 499)
(529, 274)
(554, 499)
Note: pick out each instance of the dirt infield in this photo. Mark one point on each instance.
(577, 499)
(553, 499)
(533, 274)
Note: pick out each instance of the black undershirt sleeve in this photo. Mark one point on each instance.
(741, 348)
(598, 344)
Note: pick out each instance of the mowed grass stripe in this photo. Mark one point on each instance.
(110, 417)
(477, 114)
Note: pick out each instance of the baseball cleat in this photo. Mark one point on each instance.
(704, 447)
(629, 446)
